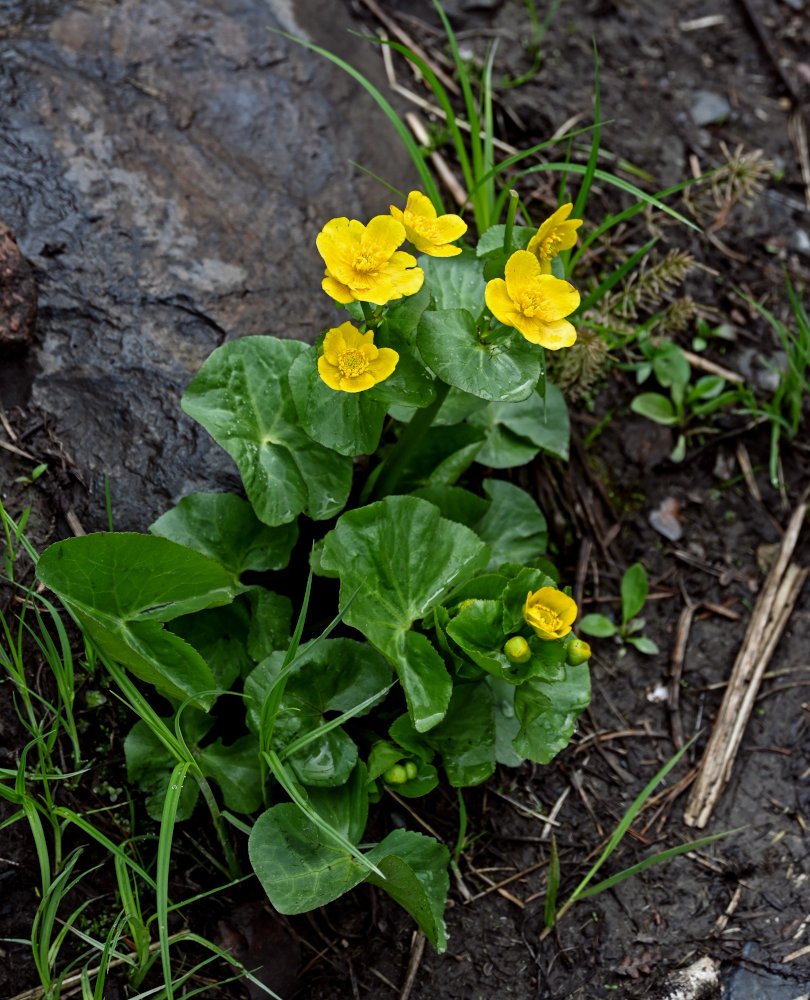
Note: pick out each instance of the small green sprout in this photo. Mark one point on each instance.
(634, 590)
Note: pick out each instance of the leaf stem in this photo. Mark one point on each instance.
(410, 438)
(510, 221)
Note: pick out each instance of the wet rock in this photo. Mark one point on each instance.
(167, 169)
(18, 296)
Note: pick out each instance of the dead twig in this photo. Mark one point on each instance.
(771, 612)
(417, 949)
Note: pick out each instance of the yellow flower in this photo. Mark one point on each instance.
(363, 263)
(550, 612)
(533, 302)
(350, 361)
(428, 233)
(557, 233)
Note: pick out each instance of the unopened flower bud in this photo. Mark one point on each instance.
(577, 651)
(396, 775)
(517, 650)
(411, 770)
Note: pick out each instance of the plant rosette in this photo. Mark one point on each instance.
(458, 630)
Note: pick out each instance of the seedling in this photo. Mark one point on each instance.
(634, 588)
(685, 402)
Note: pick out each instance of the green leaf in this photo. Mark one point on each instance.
(517, 431)
(548, 711)
(455, 282)
(465, 737)
(120, 587)
(456, 407)
(513, 527)
(506, 723)
(404, 557)
(270, 622)
(334, 675)
(643, 644)
(415, 870)
(349, 423)
(220, 637)
(492, 239)
(223, 527)
(671, 367)
(236, 770)
(150, 764)
(449, 342)
(442, 456)
(478, 630)
(402, 316)
(242, 397)
(456, 504)
(344, 808)
(597, 625)
(298, 866)
(634, 592)
(409, 385)
(654, 406)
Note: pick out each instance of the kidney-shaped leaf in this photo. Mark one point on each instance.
(449, 342)
(455, 282)
(224, 527)
(404, 556)
(547, 712)
(122, 586)
(241, 396)
(517, 431)
(415, 870)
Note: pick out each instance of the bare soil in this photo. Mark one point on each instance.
(744, 900)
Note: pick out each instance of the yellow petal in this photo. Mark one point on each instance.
(397, 214)
(420, 204)
(561, 296)
(329, 373)
(338, 291)
(340, 339)
(383, 235)
(552, 336)
(444, 250)
(357, 383)
(384, 364)
(499, 303)
(450, 227)
(521, 272)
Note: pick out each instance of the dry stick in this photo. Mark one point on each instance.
(675, 671)
(403, 37)
(417, 948)
(770, 615)
(446, 175)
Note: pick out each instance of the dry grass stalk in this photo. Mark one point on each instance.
(771, 612)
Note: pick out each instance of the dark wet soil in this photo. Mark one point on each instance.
(679, 86)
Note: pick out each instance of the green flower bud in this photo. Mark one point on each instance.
(577, 651)
(517, 650)
(396, 775)
(411, 769)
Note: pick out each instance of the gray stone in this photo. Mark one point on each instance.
(166, 168)
(708, 108)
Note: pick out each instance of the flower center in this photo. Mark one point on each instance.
(547, 618)
(535, 304)
(548, 248)
(366, 261)
(352, 363)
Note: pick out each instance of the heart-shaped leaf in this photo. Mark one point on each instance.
(241, 396)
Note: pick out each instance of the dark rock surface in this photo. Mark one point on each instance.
(18, 296)
(166, 168)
